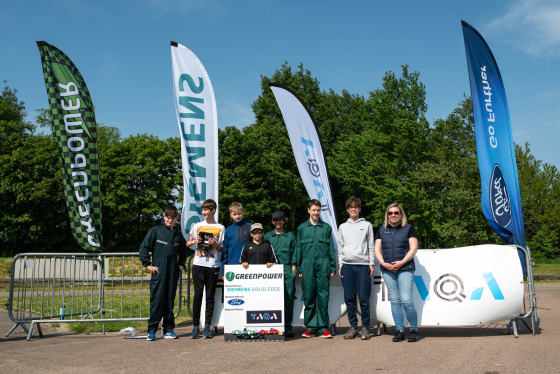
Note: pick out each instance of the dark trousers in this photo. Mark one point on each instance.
(163, 287)
(204, 277)
(356, 280)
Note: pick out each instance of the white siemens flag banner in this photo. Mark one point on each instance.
(198, 125)
(308, 151)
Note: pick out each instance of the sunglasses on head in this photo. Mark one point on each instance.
(393, 213)
(257, 231)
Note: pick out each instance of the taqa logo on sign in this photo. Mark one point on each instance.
(236, 302)
(264, 316)
(499, 198)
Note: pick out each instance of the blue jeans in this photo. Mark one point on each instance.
(399, 285)
(356, 280)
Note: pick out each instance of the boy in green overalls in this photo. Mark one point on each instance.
(284, 242)
(316, 264)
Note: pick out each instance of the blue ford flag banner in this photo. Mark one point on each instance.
(308, 151)
(501, 200)
(198, 125)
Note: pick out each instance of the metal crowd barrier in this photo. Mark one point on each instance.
(51, 287)
(531, 312)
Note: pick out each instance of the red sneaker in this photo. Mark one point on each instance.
(326, 334)
(307, 334)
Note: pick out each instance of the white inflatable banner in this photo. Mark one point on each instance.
(198, 125)
(459, 286)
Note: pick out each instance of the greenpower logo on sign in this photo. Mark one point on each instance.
(230, 275)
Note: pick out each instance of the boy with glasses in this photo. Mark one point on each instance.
(257, 252)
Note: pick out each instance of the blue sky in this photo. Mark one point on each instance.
(122, 50)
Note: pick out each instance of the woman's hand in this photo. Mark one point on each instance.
(397, 265)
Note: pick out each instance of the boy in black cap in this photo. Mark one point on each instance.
(257, 252)
(284, 242)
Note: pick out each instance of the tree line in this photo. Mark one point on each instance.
(379, 147)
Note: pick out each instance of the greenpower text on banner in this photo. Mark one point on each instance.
(75, 131)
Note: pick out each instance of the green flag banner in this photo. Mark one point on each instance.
(75, 130)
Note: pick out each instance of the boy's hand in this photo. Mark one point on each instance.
(245, 265)
(370, 269)
(194, 240)
(181, 268)
(152, 269)
(268, 264)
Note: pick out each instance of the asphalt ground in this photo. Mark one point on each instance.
(479, 349)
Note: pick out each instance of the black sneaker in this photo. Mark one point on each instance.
(413, 336)
(207, 334)
(399, 337)
(289, 334)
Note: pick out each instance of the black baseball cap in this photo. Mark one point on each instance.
(278, 214)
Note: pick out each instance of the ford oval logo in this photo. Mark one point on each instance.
(235, 302)
(499, 198)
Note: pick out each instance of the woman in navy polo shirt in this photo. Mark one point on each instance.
(396, 243)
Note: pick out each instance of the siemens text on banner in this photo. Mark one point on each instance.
(308, 151)
(501, 199)
(198, 124)
(75, 131)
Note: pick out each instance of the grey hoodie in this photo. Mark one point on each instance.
(356, 243)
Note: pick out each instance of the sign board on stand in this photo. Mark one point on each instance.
(253, 303)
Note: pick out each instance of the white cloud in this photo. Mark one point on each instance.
(532, 25)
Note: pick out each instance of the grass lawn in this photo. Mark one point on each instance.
(547, 267)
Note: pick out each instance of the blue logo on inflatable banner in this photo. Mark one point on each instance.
(499, 197)
(450, 287)
(236, 302)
